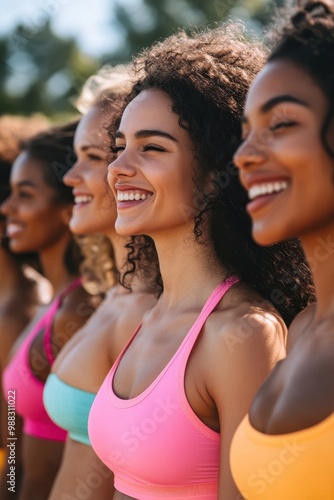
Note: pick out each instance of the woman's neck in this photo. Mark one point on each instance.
(319, 251)
(189, 270)
(12, 274)
(53, 263)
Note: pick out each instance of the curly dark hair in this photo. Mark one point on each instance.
(54, 149)
(307, 40)
(207, 76)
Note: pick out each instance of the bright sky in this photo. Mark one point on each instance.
(89, 21)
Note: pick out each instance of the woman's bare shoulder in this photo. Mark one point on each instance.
(246, 315)
(300, 324)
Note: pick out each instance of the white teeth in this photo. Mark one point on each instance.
(82, 198)
(13, 228)
(267, 188)
(131, 195)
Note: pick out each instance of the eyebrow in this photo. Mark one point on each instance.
(26, 184)
(271, 103)
(267, 106)
(147, 133)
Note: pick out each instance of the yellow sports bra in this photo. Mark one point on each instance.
(294, 466)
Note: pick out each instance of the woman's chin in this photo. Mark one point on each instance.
(19, 249)
(266, 238)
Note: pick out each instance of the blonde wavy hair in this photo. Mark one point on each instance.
(98, 268)
(110, 82)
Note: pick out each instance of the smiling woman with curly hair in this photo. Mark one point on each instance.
(207, 81)
(165, 415)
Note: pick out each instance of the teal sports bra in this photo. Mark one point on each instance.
(68, 407)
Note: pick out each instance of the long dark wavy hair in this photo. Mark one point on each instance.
(207, 76)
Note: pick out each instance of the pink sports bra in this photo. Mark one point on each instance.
(28, 389)
(154, 443)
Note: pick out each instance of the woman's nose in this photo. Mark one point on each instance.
(123, 166)
(72, 176)
(6, 207)
(248, 153)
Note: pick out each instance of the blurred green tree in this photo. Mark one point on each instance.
(41, 71)
(146, 21)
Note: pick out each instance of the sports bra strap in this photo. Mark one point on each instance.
(51, 313)
(72, 286)
(217, 294)
(208, 307)
(215, 297)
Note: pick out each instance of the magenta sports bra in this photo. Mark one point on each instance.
(154, 443)
(18, 377)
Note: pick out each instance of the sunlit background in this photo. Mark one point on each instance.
(49, 47)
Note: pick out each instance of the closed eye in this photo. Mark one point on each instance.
(117, 149)
(24, 194)
(282, 124)
(93, 157)
(151, 147)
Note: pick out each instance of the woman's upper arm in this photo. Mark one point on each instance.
(246, 353)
